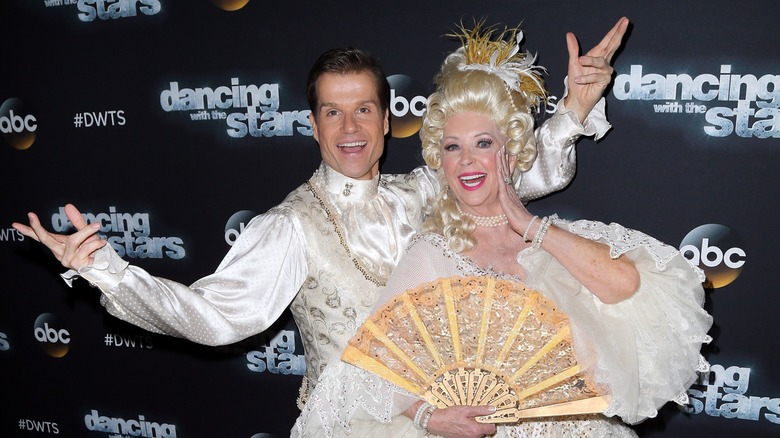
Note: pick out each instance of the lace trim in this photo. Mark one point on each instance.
(622, 240)
(303, 393)
(311, 184)
(591, 426)
(343, 394)
(465, 264)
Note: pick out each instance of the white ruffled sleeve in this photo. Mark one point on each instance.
(646, 349)
(556, 161)
(256, 281)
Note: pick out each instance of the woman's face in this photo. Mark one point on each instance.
(468, 149)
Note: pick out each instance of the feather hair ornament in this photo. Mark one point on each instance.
(501, 57)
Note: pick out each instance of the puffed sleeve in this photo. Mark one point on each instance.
(425, 183)
(254, 283)
(556, 160)
(646, 349)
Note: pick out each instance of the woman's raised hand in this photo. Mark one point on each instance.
(513, 207)
(590, 74)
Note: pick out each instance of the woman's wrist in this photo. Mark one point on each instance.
(528, 228)
(541, 231)
(423, 416)
(427, 419)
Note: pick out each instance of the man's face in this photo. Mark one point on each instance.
(349, 124)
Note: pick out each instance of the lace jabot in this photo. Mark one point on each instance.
(365, 211)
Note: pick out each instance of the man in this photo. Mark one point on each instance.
(328, 248)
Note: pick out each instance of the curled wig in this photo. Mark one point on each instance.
(491, 77)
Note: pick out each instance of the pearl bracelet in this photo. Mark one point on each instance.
(420, 412)
(525, 235)
(427, 419)
(541, 232)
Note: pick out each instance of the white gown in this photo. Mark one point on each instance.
(645, 349)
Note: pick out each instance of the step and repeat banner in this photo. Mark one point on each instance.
(138, 112)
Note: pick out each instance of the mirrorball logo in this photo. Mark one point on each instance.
(406, 106)
(230, 5)
(18, 127)
(54, 339)
(717, 250)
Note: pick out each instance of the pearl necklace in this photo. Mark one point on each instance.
(485, 221)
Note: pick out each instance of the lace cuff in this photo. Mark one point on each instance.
(351, 401)
(622, 240)
(595, 123)
(105, 272)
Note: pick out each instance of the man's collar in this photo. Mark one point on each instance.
(342, 188)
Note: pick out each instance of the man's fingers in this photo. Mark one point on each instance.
(85, 234)
(77, 220)
(75, 216)
(80, 245)
(92, 246)
(25, 230)
(73, 251)
(41, 234)
(83, 256)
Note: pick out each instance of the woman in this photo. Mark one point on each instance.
(633, 302)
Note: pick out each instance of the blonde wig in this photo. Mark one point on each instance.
(491, 77)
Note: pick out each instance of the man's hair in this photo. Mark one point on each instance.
(342, 61)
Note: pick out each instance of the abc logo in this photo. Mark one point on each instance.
(17, 127)
(717, 251)
(406, 106)
(235, 225)
(53, 340)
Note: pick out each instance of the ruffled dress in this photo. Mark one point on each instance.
(645, 349)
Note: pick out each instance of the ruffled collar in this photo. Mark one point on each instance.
(342, 189)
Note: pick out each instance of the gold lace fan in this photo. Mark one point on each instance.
(478, 341)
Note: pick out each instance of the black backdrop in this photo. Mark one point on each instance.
(87, 117)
